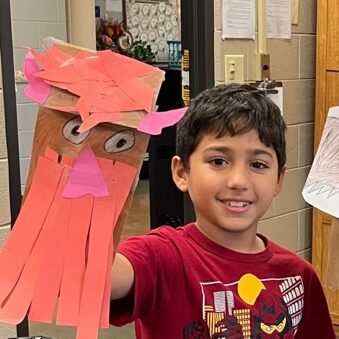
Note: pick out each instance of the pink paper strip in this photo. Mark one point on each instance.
(154, 122)
(85, 177)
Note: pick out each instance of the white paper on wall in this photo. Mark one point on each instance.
(238, 19)
(321, 189)
(277, 98)
(278, 19)
(113, 6)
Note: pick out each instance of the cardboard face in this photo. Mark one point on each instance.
(82, 176)
(58, 131)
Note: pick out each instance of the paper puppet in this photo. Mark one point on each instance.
(92, 130)
(321, 189)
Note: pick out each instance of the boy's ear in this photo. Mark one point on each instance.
(179, 174)
(280, 180)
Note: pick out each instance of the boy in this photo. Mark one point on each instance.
(216, 277)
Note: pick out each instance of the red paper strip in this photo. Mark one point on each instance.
(139, 92)
(128, 67)
(75, 257)
(48, 284)
(15, 308)
(95, 119)
(28, 224)
(104, 318)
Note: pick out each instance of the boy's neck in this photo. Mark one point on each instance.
(237, 241)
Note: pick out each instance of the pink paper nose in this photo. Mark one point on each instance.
(85, 177)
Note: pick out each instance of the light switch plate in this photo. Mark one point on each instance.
(234, 69)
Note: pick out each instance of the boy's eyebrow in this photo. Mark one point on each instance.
(223, 149)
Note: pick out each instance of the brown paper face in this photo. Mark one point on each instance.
(57, 130)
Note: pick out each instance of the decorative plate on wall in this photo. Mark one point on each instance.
(154, 22)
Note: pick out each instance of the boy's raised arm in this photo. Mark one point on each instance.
(122, 277)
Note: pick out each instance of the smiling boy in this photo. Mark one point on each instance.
(216, 277)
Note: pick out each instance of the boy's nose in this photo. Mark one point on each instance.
(238, 178)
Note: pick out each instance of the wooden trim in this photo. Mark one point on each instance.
(320, 98)
(320, 88)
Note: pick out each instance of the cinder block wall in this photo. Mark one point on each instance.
(32, 21)
(289, 220)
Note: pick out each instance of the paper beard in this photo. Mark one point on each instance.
(89, 144)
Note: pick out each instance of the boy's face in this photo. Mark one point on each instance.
(231, 181)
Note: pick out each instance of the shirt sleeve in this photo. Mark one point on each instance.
(316, 321)
(153, 261)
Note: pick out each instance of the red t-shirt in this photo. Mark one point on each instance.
(186, 286)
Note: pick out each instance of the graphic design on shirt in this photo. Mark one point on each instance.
(249, 308)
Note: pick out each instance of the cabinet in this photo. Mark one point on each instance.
(327, 95)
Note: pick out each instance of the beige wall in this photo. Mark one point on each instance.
(289, 220)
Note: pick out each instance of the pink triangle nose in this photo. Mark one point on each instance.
(85, 177)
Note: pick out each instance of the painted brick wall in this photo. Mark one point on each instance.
(289, 220)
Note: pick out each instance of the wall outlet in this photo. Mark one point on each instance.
(234, 69)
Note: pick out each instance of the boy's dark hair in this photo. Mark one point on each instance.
(230, 110)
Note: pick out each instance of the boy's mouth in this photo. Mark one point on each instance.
(233, 203)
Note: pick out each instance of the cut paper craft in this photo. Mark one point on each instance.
(85, 177)
(79, 187)
(37, 89)
(154, 122)
(321, 189)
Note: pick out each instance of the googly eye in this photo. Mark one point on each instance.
(70, 131)
(119, 142)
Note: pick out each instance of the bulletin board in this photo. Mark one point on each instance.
(154, 22)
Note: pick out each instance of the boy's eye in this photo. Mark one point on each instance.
(259, 165)
(218, 162)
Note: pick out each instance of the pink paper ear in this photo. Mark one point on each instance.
(154, 122)
(37, 89)
(85, 177)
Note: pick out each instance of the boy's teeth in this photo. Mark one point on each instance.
(237, 203)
